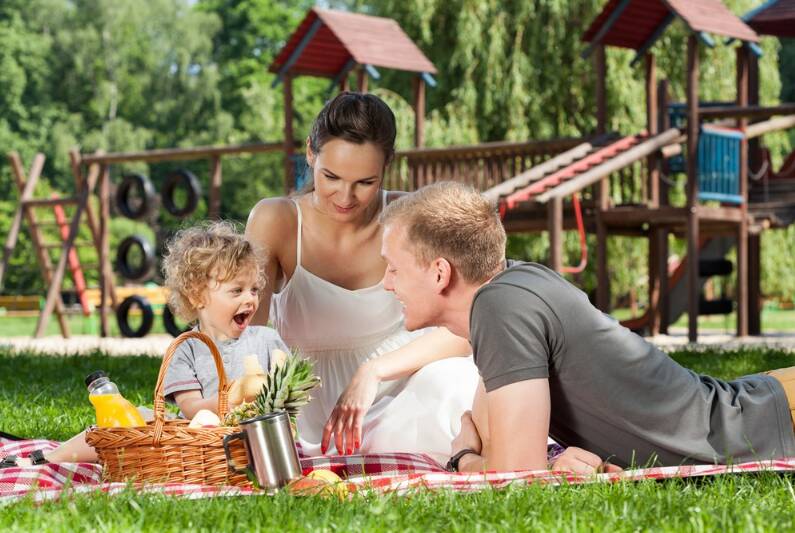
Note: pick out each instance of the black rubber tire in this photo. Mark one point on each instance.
(170, 323)
(181, 178)
(123, 315)
(145, 190)
(143, 270)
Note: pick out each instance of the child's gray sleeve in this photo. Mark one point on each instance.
(181, 373)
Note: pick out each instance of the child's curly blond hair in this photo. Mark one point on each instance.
(200, 255)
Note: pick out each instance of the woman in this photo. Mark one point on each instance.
(325, 297)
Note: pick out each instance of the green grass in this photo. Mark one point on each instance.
(25, 326)
(44, 396)
(773, 320)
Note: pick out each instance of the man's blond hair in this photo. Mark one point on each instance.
(451, 220)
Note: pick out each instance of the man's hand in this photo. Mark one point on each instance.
(345, 421)
(468, 437)
(581, 461)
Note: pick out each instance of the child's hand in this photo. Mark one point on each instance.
(235, 393)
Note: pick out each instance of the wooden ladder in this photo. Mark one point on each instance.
(53, 275)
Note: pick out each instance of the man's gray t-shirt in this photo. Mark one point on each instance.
(613, 393)
(193, 368)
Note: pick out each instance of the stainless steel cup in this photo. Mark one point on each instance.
(272, 456)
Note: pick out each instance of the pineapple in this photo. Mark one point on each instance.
(286, 388)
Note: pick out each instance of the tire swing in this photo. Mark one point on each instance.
(127, 203)
(145, 265)
(181, 179)
(123, 316)
(170, 323)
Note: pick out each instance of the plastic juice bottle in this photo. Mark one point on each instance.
(113, 411)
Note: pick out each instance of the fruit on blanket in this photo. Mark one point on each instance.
(286, 388)
(246, 388)
(204, 418)
(319, 482)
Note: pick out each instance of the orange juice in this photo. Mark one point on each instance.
(114, 411)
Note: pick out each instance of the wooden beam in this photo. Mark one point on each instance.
(653, 161)
(361, 75)
(611, 20)
(214, 211)
(749, 111)
(636, 153)
(289, 175)
(664, 98)
(742, 231)
(103, 172)
(555, 230)
(768, 126)
(419, 112)
(181, 154)
(663, 303)
(600, 63)
(537, 172)
(693, 287)
(284, 70)
(754, 285)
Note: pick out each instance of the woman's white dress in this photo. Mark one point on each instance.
(339, 329)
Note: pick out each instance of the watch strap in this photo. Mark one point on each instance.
(452, 464)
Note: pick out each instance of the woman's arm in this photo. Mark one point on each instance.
(345, 421)
(267, 225)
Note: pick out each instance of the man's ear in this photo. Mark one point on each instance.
(443, 271)
(310, 155)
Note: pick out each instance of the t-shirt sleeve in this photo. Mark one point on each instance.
(181, 373)
(269, 340)
(514, 334)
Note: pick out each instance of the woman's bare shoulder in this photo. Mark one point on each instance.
(270, 218)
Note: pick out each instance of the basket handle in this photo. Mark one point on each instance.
(160, 401)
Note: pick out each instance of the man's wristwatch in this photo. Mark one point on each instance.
(452, 464)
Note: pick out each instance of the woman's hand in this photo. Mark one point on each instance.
(581, 461)
(345, 421)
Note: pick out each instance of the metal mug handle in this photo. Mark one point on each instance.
(229, 461)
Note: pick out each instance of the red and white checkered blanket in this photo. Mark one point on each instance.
(394, 472)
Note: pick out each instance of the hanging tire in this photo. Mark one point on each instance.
(181, 178)
(123, 316)
(170, 323)
(140, 271)
(144, 189)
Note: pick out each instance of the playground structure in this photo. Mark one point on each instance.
(617, 183)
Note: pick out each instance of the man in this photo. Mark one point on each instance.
(552, 363)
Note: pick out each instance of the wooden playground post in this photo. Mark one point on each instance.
(104, 245)
(361, 74)
(603, 188)
(742, 233)
(653, 193)
(659, 322)
(419, 111)
(692, 232)
(214, 209)
(600, 63)
(289, 177)
(555, 229)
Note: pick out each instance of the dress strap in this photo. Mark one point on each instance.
(298, 237)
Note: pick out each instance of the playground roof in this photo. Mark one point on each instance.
(328, 43)
(776, 17)
(637, 24)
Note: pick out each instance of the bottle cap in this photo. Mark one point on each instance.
(93, 376)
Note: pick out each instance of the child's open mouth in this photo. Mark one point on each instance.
(242, 318)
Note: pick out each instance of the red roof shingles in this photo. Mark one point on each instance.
(777, 18)
(365, 39)
(640, 18)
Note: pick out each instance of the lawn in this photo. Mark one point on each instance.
(42, 396)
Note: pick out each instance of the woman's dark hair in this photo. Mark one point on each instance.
(356, 118)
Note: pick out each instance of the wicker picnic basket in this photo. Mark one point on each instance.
(168, 451)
